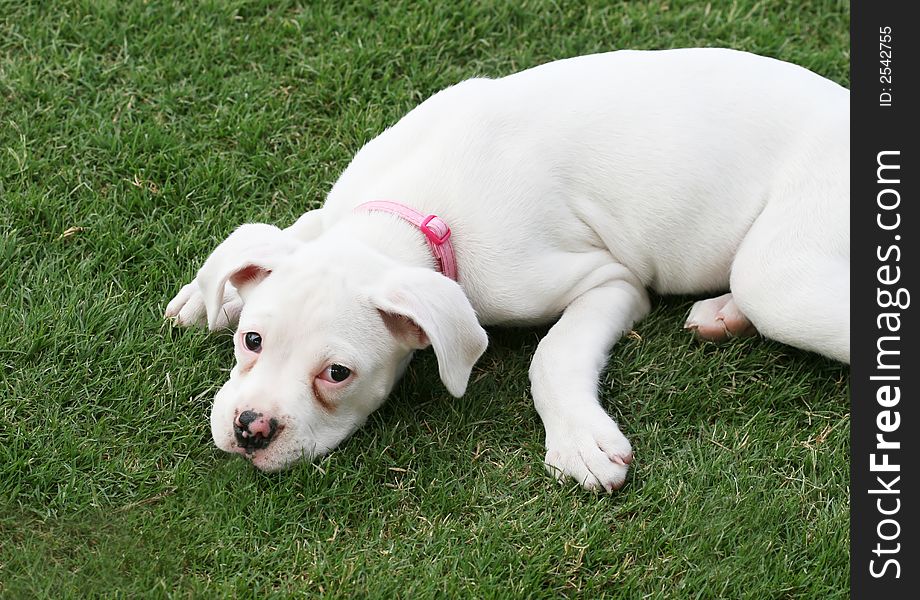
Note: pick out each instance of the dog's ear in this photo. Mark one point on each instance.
(244, 259)
(420, 307)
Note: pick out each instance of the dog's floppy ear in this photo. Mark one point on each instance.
(244, 259)
(420, 307)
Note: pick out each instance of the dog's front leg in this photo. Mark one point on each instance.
(254, 246)
(187, 307)
(582, 441)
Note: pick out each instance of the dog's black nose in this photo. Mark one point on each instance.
(254, 431)
(246, 417)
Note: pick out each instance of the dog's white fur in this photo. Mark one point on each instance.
(571, 189)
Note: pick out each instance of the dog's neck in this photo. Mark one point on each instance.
(398, 240)
(433, 227)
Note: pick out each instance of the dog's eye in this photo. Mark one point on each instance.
(252, 341)
(336, 373)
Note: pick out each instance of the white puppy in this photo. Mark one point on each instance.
(570, 189)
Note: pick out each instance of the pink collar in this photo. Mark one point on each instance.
(435, 229)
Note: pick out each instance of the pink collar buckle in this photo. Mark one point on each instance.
(435, 229)
(428, 228)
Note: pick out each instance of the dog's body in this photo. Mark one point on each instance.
(570, 189)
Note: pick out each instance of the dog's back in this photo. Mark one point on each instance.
(663, 158)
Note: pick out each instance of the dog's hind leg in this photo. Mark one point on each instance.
(791, 273)
(582, 441)
(718, 319)
(794, 284)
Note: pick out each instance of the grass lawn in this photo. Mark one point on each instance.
(135, 135)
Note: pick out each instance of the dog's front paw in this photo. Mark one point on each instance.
(187, 308)
(592, 451)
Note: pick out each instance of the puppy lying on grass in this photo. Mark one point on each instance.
(561, 193)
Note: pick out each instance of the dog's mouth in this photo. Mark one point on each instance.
(277, 457)
(271, 460)
(262, 460)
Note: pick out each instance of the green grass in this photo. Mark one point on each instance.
(135, 135)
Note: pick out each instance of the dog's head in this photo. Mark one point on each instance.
(327, 328)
